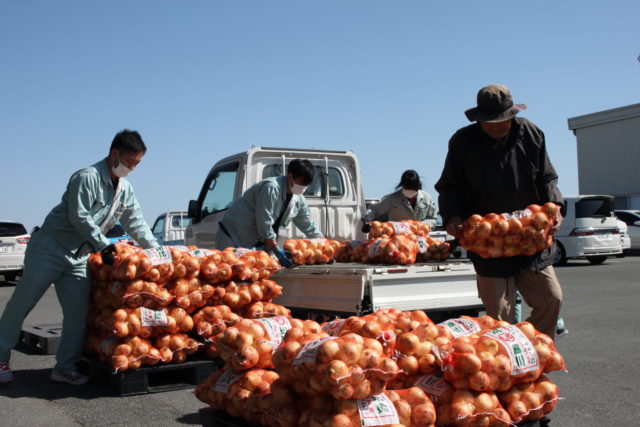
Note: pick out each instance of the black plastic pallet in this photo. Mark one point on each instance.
(542, 422)
(42, 338)
(154, 379)
(210, 417)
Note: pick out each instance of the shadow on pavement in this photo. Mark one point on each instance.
(36, 383)
(193, 419)
(6, 283)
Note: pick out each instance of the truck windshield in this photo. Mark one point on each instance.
(316, 188)
(587, 208)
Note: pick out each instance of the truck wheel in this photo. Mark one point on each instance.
(10, 277)
(563, 256)
(595, 260)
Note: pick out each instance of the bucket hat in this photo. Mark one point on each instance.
(494, 105)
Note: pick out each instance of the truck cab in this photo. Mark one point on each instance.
(335, 196)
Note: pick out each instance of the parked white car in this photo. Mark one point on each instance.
(589, 229)
(631, 217)
(13, 243)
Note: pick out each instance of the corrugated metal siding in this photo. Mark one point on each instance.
(609, 157)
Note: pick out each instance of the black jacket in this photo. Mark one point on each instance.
(482, 176)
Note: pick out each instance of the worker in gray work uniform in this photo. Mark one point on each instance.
(95, 199)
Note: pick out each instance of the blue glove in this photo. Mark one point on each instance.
(284, 257)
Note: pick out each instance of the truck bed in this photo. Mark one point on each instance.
(343, 289)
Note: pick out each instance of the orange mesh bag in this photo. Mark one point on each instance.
(398, 249)
(229, 391)
(311, 251)
(409, 408)
(346, 367)
(530, 401)
(496, 360)
(523, 232)
(393, 228)
(250, 343)
(123, 353)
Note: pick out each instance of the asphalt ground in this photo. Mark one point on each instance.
(600, 387)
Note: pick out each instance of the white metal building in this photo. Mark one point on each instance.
(609, 154)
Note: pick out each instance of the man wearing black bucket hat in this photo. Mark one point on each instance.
(500, 164)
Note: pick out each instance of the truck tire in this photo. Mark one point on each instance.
(10, 277)
(563, 256)
(595, 260)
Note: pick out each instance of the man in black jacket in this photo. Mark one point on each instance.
(499, 165)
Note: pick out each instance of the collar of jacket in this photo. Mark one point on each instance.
(103, 170)
(489, 143)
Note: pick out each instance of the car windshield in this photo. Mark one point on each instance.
(9, 229)
(589, 208)
(116, 231)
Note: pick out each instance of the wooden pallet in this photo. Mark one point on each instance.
(153, 379)
(42, 338)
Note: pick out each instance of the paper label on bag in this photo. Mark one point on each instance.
(377, 411)
(153, 317)
(423, 246)
(461, 327)
(524, 357)
(400, 227)
(334, 327)
(433, 385)
(225, 380)
(159, 255)
(241, 251)
(517, 214)
(318, 240)
(309, 351)
(276, 328)
(200, 253)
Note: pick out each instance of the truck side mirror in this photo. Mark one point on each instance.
(194, 209)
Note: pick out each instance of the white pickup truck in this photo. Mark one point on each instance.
(336, 202)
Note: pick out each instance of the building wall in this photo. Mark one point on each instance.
(609, 158)
(608, 147)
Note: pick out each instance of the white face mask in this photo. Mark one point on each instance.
(121, 170)
(298, 189)
(409, 194)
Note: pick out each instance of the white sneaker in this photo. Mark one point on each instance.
(6, 376)
(69, 377)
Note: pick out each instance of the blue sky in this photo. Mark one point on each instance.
(201, 80)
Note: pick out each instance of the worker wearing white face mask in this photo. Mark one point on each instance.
(266, 208)
(409, 201)
(95, 199)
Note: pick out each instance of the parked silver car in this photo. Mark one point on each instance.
(13, 243)
(631, 217)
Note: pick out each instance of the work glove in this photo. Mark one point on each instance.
(284, 257)
(365, 226)
(108, 254)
